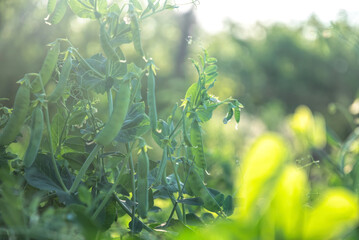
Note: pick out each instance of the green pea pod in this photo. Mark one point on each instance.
(142, 184)
(185, 136)
(200, 190)
(58, 12)
(151, 98)
(106, 45)
(162, 166)
(47, 67)
(197, 143)
(51, 4)
(37, 125)
(61, 85)
(114, 124)
(135, 30)
(18, 116)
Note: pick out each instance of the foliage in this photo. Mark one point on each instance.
(88, 168)
(78, 158)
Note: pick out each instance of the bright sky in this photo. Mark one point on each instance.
(212, 13)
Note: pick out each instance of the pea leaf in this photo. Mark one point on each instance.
(136, 123)
(76, 143)
(191, 201)
(57, 126)
(86, 8)
(41, 175)
(204, 113)
(228, 206)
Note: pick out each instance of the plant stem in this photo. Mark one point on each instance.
(82, 59)
(178, 182)
(107, 197)
(132, 169)
(48, 125)
(84, 168)
(128, 211)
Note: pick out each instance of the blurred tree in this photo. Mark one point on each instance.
(310, 64)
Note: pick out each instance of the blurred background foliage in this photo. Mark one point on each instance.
(271, 69)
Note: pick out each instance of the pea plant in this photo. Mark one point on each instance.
(71, 168)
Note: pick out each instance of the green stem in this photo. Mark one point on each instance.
(107, 197)
(128, 211)
(132, 169)
(48, 125)
(82, 59)
(84, 168)
(178, 181)
(175, 129)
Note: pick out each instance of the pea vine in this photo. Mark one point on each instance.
(99, 168)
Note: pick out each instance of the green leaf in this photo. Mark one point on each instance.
(228, 205)
(205, 114)
(136, 123)
(193, 219)
(211, 60)
(41, 175)
(76, 159)
(121, 39)
(197, 201)
(86, 8)
(217, 195)
(77, 117)
(88, 79)
(84, 195)
(57, 127)
(107, 216)
(192, 92)
(118, 69)
(75, 143)
(136, 4)
(212, 69)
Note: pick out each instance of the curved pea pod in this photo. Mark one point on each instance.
(37, 125)
(58, 12)
(162, 166)
(151, 98)
(51, 4)
(18, 116)
(197, 143)
(47, 67)
(199, 190)
(184, 128)
(142, 184)
(115, 122)
(61, 85)
(106, 45)
(135, 30)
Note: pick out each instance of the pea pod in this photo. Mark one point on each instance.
(162, 166)
(60, 87)
(18, 116)
(47, 67)
(114, 124)
(51, 4)
(184, 128)
(37, 125)
(58, 12)
(197, 143)
(106, 45)
(200, 190)
(142, 184)
(135, 30)
(151, 98)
